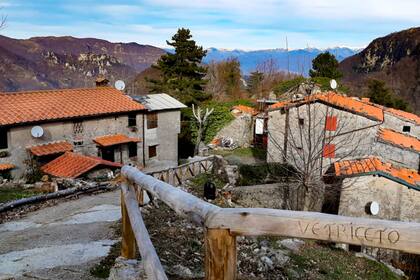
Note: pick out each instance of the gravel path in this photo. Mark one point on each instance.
(62, 241)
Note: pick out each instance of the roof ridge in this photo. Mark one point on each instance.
(53, 90)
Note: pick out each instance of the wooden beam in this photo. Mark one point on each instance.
(128, 243)
(150, 259)
(185, 204)
(403, 236)
(220, 259)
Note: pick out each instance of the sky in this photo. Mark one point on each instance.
(228, 24)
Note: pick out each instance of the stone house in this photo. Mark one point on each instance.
(395, 191)
(329, 127)
(162, 124)
(40, 126)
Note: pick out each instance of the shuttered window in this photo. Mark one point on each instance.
(331, 123)
(329, 151)
(152, 120)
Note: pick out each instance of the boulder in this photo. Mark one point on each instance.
(126, 269)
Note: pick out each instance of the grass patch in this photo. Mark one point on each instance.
(102, 269)
(327, 262)
(243, 152)
(9, 194)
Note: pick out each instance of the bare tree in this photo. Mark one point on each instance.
(224, 79)
(201, 118)
(3, 19)
(307, 144)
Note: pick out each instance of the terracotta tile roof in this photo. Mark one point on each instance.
(72, 165)
(399, 139)
(38, 106)
(110, 140)
(245, 109)
(6, 166)
(338, 100)
(405, 115)
(373, 165)
(51, 148)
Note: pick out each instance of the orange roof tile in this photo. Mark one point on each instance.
(46, 105)
(6, 166)
(374, 165)
(404, 115)
(51, 148)
(245, 109)
(399, 139)
(110, 140)
(341, 101)
(72, 165)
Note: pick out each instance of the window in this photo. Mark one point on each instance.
(301, 121)
(3, 138)
(152, 151)
(78, 133)
(132, 120)
(329, 151)
(406, 128)
(331, 123)
(152, 120)
(132, 150)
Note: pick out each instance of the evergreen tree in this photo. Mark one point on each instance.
(254, 83)
(325, 65)
(181, 72)
(380, 94)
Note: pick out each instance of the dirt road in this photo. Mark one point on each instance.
(62, 241)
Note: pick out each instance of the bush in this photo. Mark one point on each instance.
(264, 173)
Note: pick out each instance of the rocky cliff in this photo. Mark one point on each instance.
(62, 62)
(394, 59)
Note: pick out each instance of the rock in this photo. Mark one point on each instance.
(45, 178)
(182, 271)
(281, 257)
(126, 269)
(266, 260)
(291, 244)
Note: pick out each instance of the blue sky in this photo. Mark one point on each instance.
(231, 24)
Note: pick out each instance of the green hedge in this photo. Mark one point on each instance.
(264, 173)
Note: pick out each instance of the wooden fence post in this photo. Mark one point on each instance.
(128, 243)
(220, 259)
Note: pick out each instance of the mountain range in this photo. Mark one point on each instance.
(394, 59)
(297, 61)
(65, 62)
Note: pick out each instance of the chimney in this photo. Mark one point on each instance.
(101, 81)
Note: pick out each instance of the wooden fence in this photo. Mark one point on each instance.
(176, 175)
(223, 225)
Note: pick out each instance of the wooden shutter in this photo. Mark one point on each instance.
(331, 123)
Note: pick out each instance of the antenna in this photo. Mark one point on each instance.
(120, 85)
(37, 132)
(333, 84)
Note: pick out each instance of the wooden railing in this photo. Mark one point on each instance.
(177, 175)
(223, 225)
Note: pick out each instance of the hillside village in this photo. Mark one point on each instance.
(278, 177)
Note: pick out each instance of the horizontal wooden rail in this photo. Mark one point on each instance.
(177, 175)
(222, 225)
(183, 203)
(403, 236)
(150, 259)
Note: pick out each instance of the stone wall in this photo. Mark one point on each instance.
(165, 135)
(396, 201)
(240, 130)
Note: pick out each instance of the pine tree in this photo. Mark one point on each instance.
(254, 83)
(325, 65)
(181, 72)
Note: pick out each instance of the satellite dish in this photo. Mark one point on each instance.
(37, 131)
(373, 208)
(333, 84)
(120, 85)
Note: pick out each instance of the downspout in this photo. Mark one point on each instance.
(286, 135)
